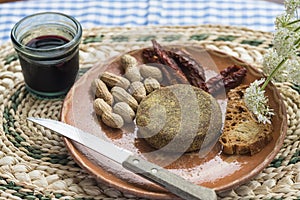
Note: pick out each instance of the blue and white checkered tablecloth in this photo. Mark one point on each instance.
(254, 14)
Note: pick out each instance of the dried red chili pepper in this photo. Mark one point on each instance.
(215, 84)
(189, 70)
(228, 78)
(150, 56)
(165, 59)
(170, 75)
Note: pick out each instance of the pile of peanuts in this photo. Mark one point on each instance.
(118, 97)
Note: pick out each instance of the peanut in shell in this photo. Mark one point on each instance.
(112, 80)
(100, 106)
(112, 120)
(121, 95)
(125, 111)
(103, 92)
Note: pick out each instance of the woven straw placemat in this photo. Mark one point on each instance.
(34, 163)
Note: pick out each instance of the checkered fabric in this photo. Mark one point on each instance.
(254, 14)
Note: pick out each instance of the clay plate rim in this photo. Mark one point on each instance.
(161, 193)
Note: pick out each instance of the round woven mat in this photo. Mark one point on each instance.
(34, 163)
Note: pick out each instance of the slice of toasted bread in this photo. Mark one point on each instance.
(242, 133)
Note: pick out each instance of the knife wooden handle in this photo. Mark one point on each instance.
(173, 183)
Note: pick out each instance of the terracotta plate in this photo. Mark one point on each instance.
(215, 170)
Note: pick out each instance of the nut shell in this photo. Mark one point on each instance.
(151, 71)
(151, 84)
(100, 106)
(137, 90)
(128, 61)
(125, 111)
(112, 80)
(121, 95)
(112, 120)
(133, 74)
(103, 92)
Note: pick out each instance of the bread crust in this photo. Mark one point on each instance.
(242, 133)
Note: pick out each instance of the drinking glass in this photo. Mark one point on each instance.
(47, 45)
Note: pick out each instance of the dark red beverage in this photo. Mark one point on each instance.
(47, 42)
(54, 66)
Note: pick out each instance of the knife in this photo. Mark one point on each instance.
(170, 181)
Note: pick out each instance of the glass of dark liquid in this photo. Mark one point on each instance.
(48, 49)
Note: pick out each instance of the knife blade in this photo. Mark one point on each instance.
(170, 181)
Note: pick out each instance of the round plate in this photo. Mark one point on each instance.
(216, 170)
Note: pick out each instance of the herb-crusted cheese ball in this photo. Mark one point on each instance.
(178, 118)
